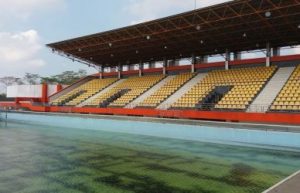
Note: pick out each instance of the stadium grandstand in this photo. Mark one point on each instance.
(130, 81)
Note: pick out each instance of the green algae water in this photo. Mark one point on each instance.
(45, 159)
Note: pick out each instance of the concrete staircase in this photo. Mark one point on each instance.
(100, 93)
(179, 93)
(266, 97)
(152, 90)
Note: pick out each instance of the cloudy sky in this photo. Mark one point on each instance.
(27, 25)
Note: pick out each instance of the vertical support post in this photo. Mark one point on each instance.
(44, 98)
(151, 64)
(165, 66)
(193, 63)
(141, 67)
(101, 71)
(227, 59)
(268, 55)
(58, 88)
(237, 56)
(203, 59)
(276, 51)
(119, 71)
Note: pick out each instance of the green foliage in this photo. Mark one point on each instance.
(10, 80)
(67, 77)
(32, 78)
(3, 98)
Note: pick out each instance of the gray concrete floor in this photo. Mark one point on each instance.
(290, 185)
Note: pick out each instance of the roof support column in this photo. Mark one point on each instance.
(227, 59)
(276, 51)
(203, 59)
(237, 55)
(101, 71)
(165, 63)
(193, 63)
(120, 71)
(152, 64)
(141, 67)
(268, 55)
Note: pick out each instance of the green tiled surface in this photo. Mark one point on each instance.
(39, 159)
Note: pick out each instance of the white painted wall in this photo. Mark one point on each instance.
(28, 91)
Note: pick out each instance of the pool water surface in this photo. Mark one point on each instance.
(44, 159)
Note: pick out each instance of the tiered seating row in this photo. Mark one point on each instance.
(289, 97)
(83, 92)
(166, 90)
(246, 82)
(135, 85)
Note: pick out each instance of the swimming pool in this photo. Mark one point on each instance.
(100, 155)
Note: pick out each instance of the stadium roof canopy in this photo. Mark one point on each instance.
(239, 25)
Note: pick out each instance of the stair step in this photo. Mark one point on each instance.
(179, 93)
(266, 97)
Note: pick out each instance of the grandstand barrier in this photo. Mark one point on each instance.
(226, 116)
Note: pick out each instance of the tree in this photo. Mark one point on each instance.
(10, 80)
(32, 78)
(67, 77)
(3, 98)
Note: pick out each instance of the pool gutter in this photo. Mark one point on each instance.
(251, 126)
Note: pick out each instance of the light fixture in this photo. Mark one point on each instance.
(299, 26)
(110, 44)
(166, 47)
(198, 27)
(111, 55)
(136, 51)
(244, 35)
(148, 37)
(201, 42)
(91, 58)
(79, 49)
(268, 14)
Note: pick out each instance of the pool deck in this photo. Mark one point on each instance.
(288, 185)
(237, 125)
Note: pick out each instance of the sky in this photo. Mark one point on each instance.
(27, 25)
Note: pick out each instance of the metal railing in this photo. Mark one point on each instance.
(204, 107)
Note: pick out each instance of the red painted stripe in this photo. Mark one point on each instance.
(275, 118)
